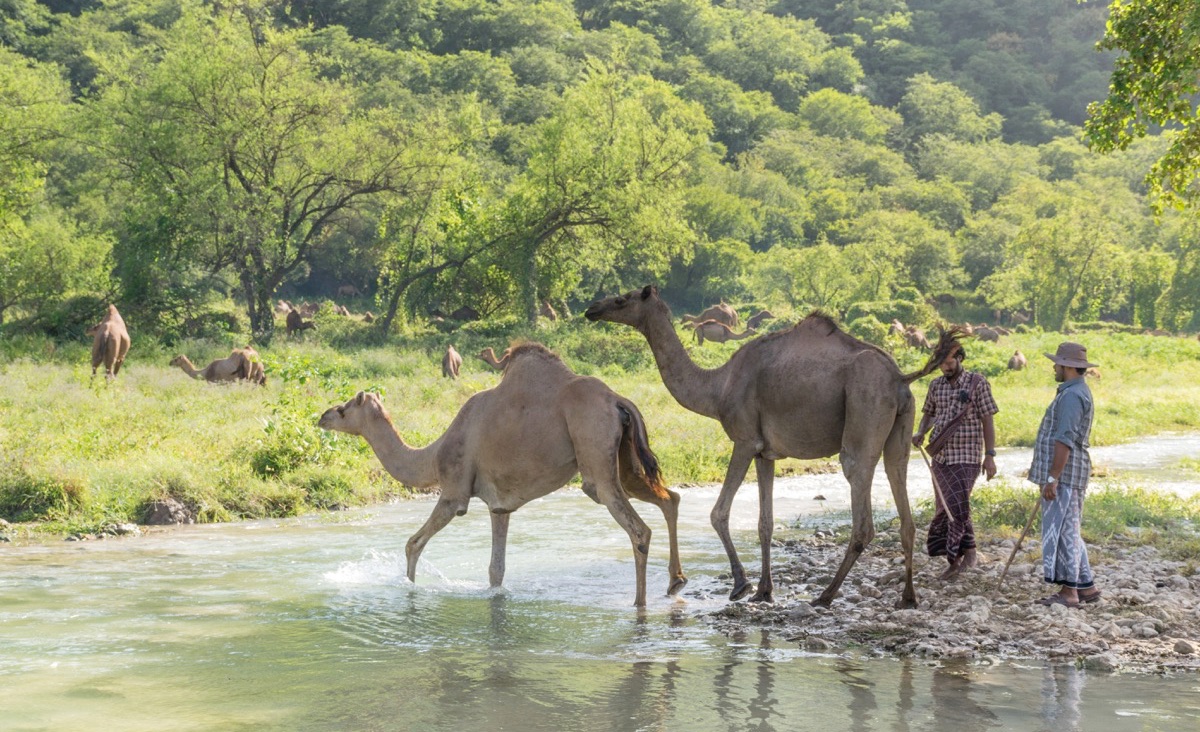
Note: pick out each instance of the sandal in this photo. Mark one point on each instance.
(1057, 599)
(1089, 599)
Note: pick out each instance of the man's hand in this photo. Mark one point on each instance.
(918, 439)
(989, 467)
(1050, 491)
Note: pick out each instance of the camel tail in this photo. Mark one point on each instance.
(947, 342)
(643, 459)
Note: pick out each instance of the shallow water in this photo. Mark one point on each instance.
(310, 624)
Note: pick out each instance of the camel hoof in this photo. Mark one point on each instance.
(761, 596)
(677, 584)
(822, 601)
(906, 603)
(740, 591)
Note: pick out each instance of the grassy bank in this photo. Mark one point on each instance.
(79, 453)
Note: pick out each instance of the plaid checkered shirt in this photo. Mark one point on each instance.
(944, 401)
(1068, 420)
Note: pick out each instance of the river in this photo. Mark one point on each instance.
(310, 624)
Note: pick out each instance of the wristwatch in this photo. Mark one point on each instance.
(990, 453)
(1051, 479)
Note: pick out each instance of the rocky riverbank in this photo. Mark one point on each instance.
(1148, 618)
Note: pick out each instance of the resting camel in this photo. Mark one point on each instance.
(721, 312)
(296, 323)
(241, 363)
(717, 332)
(1017, 361)
(810, 391)
(526, 437)
(110, 343)
(984, 333)
(489, 357)
(757, 319)
(451, 363)
(368, 317)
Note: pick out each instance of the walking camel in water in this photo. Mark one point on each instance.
(524, 438)
(110, 343)
(811, 391)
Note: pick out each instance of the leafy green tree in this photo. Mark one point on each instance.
(833, 113)
(604, 179)
(817, 276)
(1154, 84)
(242, 157)
(932, 107)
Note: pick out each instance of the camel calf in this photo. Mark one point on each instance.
(757, 319)
(527, 437)
(451, 363)
(110, 343)
(718, 332)
(1017, 361)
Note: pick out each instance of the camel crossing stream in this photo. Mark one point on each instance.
(311, 624)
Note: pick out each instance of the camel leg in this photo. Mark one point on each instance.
(739, 463)
(635, 488)
(858, 467)
(766, 525)
(499, 544)
(895, 461)
(443, 512)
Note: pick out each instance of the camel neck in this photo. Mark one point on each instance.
(188, 367)
(696, 389)
(415, 467)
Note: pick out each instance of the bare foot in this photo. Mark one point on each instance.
(953, 570)
(969, 559)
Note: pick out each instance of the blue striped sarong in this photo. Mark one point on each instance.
(1064, 555)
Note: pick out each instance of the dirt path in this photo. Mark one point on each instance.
(1148, 618)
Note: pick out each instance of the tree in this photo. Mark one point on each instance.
(241, 156)
(932, 107)
(1154, 83)
(605, 178)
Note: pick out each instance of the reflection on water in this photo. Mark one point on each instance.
(312, 625)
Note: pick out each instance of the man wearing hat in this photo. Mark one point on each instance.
(1061, 466)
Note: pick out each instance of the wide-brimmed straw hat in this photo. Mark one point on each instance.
(1071, 354)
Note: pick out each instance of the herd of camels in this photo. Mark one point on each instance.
(809, 391)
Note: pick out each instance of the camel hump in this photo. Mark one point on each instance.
(644, 461)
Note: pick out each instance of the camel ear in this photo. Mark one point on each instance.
(360, 398)
(649, 290)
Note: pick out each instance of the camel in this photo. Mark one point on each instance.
(810, 391)
(451, 363)
(348, 291)
(368, 317)
(915, 337)
(341, 310)
(525, 438)
(721, 312)
(296, 323)
(897, 328)
(283, 307)
(984, 333)
(757, 319)
(489, 357)
(110, 343)
(547, 311)
(241, 363)
(718, 332)
(1017, 361)
(308, 309)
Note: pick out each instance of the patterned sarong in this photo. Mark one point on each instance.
(948, 539)
(1064, 555)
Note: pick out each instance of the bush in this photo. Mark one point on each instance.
(27, 497)
(909, 313)
(869, 329)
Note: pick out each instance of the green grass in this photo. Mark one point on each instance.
(80, 452)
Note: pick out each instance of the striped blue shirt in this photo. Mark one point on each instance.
(1068, 420)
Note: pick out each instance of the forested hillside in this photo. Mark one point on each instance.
(195, 161)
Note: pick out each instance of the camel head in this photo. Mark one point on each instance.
(633, 308)
(354, 416)
(180, 360)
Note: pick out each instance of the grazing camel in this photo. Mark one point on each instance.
(721, 312)
(110, 343)
(296, 323)
(240, 364)
(1017, 361)
(757, 319)
(547, 311)
(897, 328)
(451, 363)
(717, 332)
(348, 291)
(984, 333)
(810, 391)
(915, 337)
(525, 438)
(489, 357)
(341, 310)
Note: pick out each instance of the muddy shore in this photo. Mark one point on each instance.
(1147, 620)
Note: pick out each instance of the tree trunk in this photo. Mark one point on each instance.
(259, 309)
(530, 286)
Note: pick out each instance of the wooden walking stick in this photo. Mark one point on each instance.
(1032, 515)
(937, 489)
